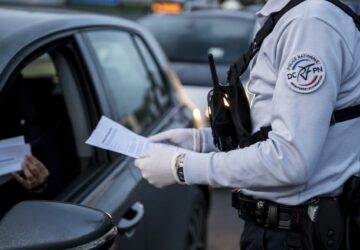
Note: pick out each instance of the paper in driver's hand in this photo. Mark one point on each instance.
(112, 136)
(13, 141)
(12, 154)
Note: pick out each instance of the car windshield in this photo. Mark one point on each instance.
(190, 39)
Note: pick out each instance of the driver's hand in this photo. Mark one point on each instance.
(35, 173)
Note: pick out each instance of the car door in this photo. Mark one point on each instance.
(139, 92)
(58, 103)
(110, 186)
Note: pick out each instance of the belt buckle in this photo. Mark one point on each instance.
(285, 220)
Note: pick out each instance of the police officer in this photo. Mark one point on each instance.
(306, 68)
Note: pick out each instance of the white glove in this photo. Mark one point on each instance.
(158, 166)
(189, 138)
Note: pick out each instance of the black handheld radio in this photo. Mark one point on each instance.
(228, 110)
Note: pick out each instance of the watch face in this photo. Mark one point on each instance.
(179, 167)
(180, 174)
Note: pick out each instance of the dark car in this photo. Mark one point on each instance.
(59, 73)
(188, 38)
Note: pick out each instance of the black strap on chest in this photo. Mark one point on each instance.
(243, 62)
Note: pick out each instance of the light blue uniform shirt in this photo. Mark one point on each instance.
(306, 68)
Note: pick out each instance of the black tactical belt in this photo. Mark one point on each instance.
(269, 214)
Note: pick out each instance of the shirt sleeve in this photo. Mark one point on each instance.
(207, 141)
(299, 121)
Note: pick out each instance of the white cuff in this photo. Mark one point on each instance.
(207, 141)
(196, 140)
(196, 168)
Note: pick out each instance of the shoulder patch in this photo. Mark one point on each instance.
(305, 73)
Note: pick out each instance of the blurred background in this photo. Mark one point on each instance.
(193, 28)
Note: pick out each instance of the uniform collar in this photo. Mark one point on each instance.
(271, 6)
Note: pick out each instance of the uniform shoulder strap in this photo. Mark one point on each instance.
(243, 62)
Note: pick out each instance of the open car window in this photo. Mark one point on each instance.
(42, 102)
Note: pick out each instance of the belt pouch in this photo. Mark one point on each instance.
(329, 225)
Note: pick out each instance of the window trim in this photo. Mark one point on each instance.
(163, 78)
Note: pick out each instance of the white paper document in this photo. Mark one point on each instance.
(113, 136)
(13, 141)
(12, 154)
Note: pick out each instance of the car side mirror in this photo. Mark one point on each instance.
(55, 225)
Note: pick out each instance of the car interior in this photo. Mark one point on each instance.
(43, 104)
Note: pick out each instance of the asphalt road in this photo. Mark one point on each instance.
(224, 226)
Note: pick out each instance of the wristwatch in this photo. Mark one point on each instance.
(179, 167)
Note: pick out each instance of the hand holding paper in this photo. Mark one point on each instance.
(112, 136)
(156, 166)
(155, 160)
(35, 173)
(12, 154)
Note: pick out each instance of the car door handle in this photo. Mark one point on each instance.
(131, 219)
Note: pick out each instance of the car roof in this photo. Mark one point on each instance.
(39, 22)
(20, 27)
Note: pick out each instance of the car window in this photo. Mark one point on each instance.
(40, 103)
(132, 86)
(191, 38)
(42, 67)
